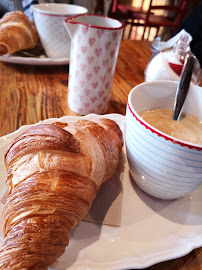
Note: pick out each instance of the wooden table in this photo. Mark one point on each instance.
(33, 93)
(29, 94)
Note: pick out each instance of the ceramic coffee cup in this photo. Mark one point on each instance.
(49, 20)
(161, 165)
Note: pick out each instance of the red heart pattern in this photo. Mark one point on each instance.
(93, 99)
(87, 91)
(105, 62)
(84, 30)
(96, 69)
(89, 76)
(92, 65)
(90, 60)
(103, 78)
(112, 53)
(107, 45)
(98, 52)
(95, 85)
(91, 41)
(100, 32)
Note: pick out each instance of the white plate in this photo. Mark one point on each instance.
(151, 230)
(40, 61)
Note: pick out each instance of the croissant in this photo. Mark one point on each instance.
(17, 33)
(53, 172)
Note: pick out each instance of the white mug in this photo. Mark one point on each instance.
(49, 20)
(161, 165)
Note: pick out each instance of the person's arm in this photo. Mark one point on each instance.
(27, 7)
(10, 5)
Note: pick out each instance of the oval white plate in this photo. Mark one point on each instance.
(151, 230)
(40, 61)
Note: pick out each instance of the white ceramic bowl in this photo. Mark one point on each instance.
(161, 165)
(49, 20)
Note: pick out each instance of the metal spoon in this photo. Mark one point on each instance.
(183, 85)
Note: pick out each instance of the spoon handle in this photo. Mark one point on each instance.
(183, 85)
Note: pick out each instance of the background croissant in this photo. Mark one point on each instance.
(17, 33)
(54, 173)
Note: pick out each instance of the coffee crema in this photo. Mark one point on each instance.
(188, 128)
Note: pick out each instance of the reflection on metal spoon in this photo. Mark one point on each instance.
(183, 85)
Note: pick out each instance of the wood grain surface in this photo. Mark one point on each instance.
(29, 94)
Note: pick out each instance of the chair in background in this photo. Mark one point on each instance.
(125, 14)
(172, 16)
(147, 18)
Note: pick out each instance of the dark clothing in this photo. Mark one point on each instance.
(9, 5)
(193, 25)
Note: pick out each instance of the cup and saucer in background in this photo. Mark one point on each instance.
(49, 20)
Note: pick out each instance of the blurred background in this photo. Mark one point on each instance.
(142, 19)
(143, 5)
(123, 10)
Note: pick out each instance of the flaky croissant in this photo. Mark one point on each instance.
(54, 173)
(17, 33)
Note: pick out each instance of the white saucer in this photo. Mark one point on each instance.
(40, 61)
(151, 230)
